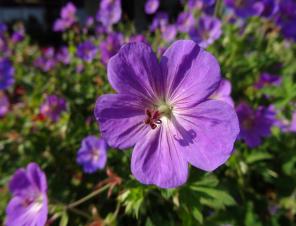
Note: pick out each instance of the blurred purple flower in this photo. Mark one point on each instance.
(245, 8)
(207, 6)
(17, 37)
(160, 20)
(293, 123)
(255, 124)
(52, 107)
(63, 55)
(110, 46)
(161, 109)
(92, 154)
(185, 21)
(67, 18)
(151, 6)
(207, 32)
(109, 12)
(286, 18)
(6, 74)
(169, 32)
(89, 21)
(3, 29)
(46, 61)
(4, 104)
(271, 7)
(268, 79)
(138, 38)
(28, 205)
(223, 92)
(87, 51)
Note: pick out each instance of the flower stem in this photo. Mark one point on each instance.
(91, 195)
(218, 8)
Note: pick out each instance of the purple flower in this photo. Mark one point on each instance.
(67, 18)
(160, 20)
(245, 8)
(63, 55)
(268, 79)
(185, 21)
(109, 12)
(207, 32)
(169, 32)
(52, 107)
(46, 61)
(271, 7)
(3, 29)
(87, 51)
(28, 205)
(4, 104)
(161, 109)
(92, 154)
(6, 74)
(286, 18)
(110, 46)
(255, 124)
(223, 92)
(206, 5)
(151, 6)
(17, 37)
(293, 123)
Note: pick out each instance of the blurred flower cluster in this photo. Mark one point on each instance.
(223, 71)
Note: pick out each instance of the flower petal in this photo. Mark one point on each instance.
(206, 133)
(121, 119)
(192, 74)
(37, 177)
(135, 70)
(157, 160)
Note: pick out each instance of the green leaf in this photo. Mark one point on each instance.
(64, 219)
(258, 156)
(197, 215)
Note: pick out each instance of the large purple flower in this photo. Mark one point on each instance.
(162, 110)
(255, 124)
(28, 205)
(4, 104)
(208, 31)
(110, 46)
(185, 21)
(92, 154)
(67, 18)
(109, 12)
(6, 74)
(245, 8)
(52, 107)
(87, 51)
(151, 6)
(223, 92)
(268, 79)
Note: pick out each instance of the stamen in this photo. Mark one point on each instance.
(153, 118)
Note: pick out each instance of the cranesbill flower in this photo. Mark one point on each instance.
(223, 92)
(46, 61)
(52, 107)
(161, 109)
(151, 6)
(4, 104)
(160, 20)
(169, 32)
(255, 124)
(286, 18)
(293, 123)
(67, 18)
(63, 55)
(207, 32)
(6, 74)
(110, 46)
(245, 8)
(268, 79)
(92, 154)
(109, 12)
(87, 51)
(185, 21)
(28, 205)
